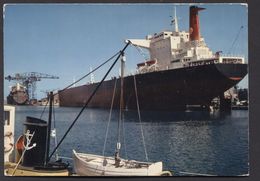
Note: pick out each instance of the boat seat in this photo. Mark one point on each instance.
(89, 159)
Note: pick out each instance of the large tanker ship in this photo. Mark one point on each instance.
(182, 72)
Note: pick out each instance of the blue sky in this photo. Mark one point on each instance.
(67, 39)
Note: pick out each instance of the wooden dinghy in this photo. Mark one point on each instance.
(95, 165)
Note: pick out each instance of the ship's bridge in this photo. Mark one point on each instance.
(160, 36)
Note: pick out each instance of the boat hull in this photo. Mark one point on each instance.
(161, 90)
(92, 165)
(30, 171)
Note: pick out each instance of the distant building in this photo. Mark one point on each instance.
(44, 101)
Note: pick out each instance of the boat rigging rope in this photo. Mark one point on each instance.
(229, 51)
(54, 133)
(121, 104)
(196, 174)
(90, 72)
(123, 124)
(139, 115)
(89, 99)
(44, 109)
(109, 119)
(80, 79)
(140, 50)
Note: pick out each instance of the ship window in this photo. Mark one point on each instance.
(7, 117)
(186, 59)
(231, 60)
(175, 61)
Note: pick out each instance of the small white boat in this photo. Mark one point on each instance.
(95, 165)
(100, 165)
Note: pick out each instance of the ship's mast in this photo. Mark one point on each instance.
(175, 20)
(92, 80)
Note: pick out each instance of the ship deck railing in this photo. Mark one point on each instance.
(216, 60)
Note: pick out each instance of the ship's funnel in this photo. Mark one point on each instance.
(194, 23)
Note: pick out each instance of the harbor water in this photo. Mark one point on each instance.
(193, 142)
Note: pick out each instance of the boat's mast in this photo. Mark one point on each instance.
(118, 145)
(49, 129)
(89, 98)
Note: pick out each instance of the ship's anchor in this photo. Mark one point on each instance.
(29, 138)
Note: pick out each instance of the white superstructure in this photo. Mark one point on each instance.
(177, 49)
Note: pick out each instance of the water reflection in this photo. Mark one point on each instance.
(153, 116)
(197, 142)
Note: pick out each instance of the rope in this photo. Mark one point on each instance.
(235, 39)
(64, 157)
(53, 113)
(121, 104)
(80, 79)
(25, 149)
(166, 173)
(44, 109)
(139, 115)
(109, 119)
(55, 136)
(123, 124)
(140, 50)
(89, 73)
(89, 99)
(197, 174)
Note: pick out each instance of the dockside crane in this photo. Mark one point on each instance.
(29, 80)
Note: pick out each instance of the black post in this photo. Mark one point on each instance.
(225, 104)
(49, 129)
